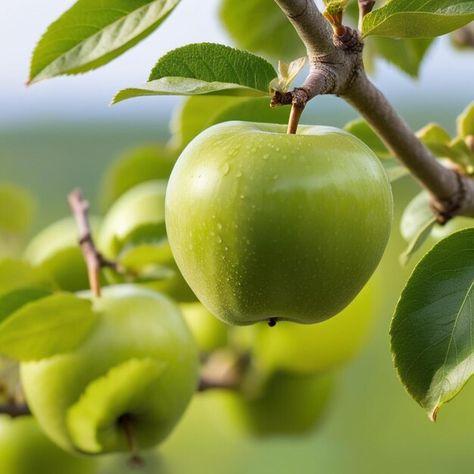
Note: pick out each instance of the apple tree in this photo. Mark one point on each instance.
(237, 258)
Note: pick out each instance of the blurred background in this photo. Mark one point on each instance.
(62, 133)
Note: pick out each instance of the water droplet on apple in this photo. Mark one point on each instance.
(219, 226)
(226, 169)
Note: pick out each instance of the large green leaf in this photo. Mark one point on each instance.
(14, 300)
(407, 54)
(45, 327)
(418, 18)
(206, 69)
(93, 32)
(252, 24)
(432, 330)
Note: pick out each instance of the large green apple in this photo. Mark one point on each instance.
(317, 348)
(269, 226)
(24, 449)
(287, 404)
(135, 374)
(56, 249)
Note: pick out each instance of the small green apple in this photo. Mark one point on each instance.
(269, 226)
(288, 404)
(210, 333)
(317, 348)
(56, 249)
(134, 375)
(134, 233)
(24, 449)
(135, 166)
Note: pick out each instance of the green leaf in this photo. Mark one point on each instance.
(206, 69)
(48, 326)
(418, 18)
(466, 122)
(145, 163)
(407, 54)
(184, 86)
(252, 24)
(362, 130)
(416, 216)
(91, 34)
(420, 238)
(212, 62)
(106, 398)
(432, 327)
(14, 300)
(16, 210)
(437, 139)
(16, 274)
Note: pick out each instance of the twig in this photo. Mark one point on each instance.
(80, 209)
(337, 68)
(14, 410)
(365, 7)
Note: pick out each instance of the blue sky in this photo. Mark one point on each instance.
(87, 96)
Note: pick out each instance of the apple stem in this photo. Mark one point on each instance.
(295, 115)
(126, 423)
(95, 261)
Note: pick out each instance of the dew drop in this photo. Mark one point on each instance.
(239, 174)
(219, 226)
(226, 169)
(266, 156)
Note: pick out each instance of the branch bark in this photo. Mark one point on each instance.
(337, 68)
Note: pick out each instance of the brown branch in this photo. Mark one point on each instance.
(80, 209)
(14, 410)
(337, 68)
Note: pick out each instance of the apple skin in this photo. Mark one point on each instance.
(289, 404)
(317, 348)
(209, 333)
(56, 250)
(79, 399)
(24, 449)
(265, 225)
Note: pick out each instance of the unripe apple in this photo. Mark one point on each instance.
(24, 449)
(288, 404)
(319, 347)
(130, 380)
(136, 222)
(56, 249)
(269, 226)
(209, 333)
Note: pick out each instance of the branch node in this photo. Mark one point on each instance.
(445, 209)
(349, 40)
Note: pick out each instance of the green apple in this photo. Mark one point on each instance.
(24, 449)
(56, 249)
(127, 384)
(134, 233)
(317, 348)
(209, 333)
(269, 226)
(287, 404)
(135, 166)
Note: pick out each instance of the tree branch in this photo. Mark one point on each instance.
(337, 68)
(365, 7)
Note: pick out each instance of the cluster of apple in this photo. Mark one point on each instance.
(254, 228)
